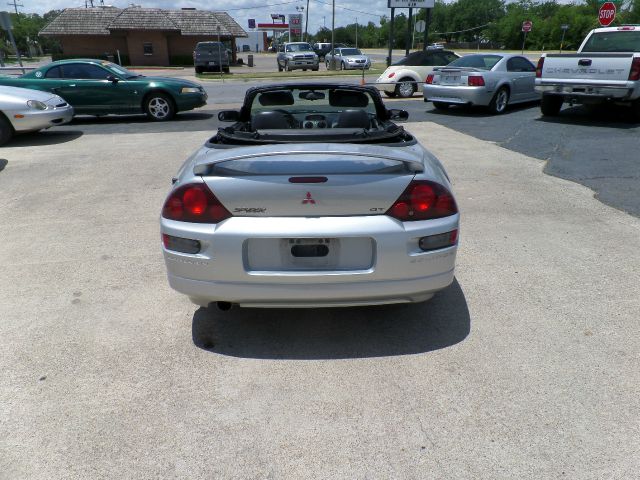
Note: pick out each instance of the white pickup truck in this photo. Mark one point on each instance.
(605, 69)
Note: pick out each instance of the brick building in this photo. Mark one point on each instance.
(142, 36)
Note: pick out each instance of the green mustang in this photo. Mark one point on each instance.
(97, 87)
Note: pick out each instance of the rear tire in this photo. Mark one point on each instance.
(287, 67)
(441, 105)
(406, 88)
(499, 101)
(159, 107)
(6, 130)
(550, 105)
(635, 111)
(315, 69)
(279, 67)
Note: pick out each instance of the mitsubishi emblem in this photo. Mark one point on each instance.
(309, 199)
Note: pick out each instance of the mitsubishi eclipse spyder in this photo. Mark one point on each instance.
(312, 197)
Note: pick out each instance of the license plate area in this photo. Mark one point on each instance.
(308, 254)
(451, 79)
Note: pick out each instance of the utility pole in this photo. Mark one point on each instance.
(426, 29)
(333, 31)
(306, 24)
(15, 4)
(356, 32)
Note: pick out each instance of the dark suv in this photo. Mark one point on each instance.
(211, 56)
(322, 48)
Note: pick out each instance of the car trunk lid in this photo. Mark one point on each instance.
(307, 181)
(589, 67)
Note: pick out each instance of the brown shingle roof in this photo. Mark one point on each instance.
(82, 21)
(137, 18)
(101, 20)
(200, 22)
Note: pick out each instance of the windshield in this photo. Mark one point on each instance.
(619, 41)
(121, 71)
(326, 101)
(351, 51)
(483, 62)
(298, 47)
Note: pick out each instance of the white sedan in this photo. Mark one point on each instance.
(406, 76)
(314, 197)
(25, 110)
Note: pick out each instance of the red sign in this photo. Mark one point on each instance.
(527, 25)
(607, 14)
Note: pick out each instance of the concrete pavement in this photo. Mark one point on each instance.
(527, 367)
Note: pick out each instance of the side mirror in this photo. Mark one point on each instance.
(229, 116)
(397, 114)
(113, 78)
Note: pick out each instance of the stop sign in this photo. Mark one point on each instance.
(607, 14)
(526, 25)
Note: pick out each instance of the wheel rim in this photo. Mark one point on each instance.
(159, 107)
(501, 100)
(405, 89)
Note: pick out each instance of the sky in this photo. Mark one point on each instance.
(241, 10)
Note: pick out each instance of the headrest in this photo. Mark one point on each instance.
(348, 98)
(276, 98)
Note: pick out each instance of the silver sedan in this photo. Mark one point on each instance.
(348, 58)
(314, 197)
(26, 110)
(494, 80)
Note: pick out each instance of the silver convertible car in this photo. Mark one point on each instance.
(313, 197)
(494, 80)
(25, 110)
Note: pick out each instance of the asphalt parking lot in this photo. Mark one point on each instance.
(526, 367)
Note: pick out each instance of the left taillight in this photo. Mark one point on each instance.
(423, 200)
(539, 67)
(429, 79)
(194, 203)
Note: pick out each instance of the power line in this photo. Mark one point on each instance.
(262, 6)
(350, 9)
(15, 4)
(462, 31)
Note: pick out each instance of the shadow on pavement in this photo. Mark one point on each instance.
(48, 137)
(609, 116)
(126, 119)
(361, 332)
(3, 163)
(480, 111)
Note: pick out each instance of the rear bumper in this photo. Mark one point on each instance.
(400, 271)
(293, 295)
(459, 95)
(628, 91)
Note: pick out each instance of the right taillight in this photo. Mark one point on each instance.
(391, 75)
(195, 203)
(539, 67)
(423, 200)
(475, 81)
(429, 79)
(634, 74)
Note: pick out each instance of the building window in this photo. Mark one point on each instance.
(147, 48)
